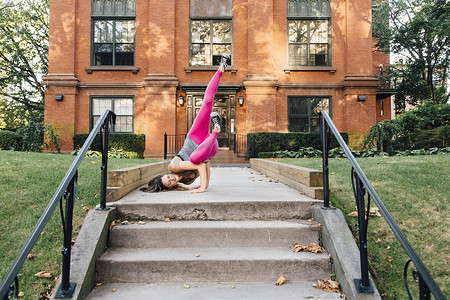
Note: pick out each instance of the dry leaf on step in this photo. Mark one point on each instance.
(313, 248)
(280, 280)
(186, 286)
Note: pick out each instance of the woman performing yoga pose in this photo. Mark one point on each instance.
(199, 146)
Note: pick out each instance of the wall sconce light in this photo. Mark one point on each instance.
(241, 100)
(361, 98)
(181, 100)
(59, 97)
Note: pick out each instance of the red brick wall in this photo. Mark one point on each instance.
(259, 55)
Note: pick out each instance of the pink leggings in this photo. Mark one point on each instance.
(199, 132)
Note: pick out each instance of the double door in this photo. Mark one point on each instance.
(224, 106)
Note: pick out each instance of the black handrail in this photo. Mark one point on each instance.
(240, 144)
(360, 185)
(66, 189)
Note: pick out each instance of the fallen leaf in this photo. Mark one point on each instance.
(232, 287)
(186, 286)
(389, 259)
(125, 223)
(21, 294)
(114, 290)
(353, 214)
(31, 256)
(112, 224)
(314, 248)
(43, 274)
(99, 284)
(132, 222)
(85, 208)
(141, 222)
(197, 255)
(167, 220)
(328, 286)
(280, 280)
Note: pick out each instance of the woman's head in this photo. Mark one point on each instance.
(160, 183)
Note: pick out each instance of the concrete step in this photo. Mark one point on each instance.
(228, 157)
(232, 209)
(218, 291)
(207, 265)
(181, 234)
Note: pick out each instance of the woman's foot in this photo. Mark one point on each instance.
(215, 118)
(224, 62)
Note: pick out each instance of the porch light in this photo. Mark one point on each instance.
(181, 100)
(361, 98)
(241, 100)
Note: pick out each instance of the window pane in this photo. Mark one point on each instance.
(131, 7)
(325, 8)
(298, 31)
(298, 124)
(99, 106)
(298, 106)
(292, 7)
(314, 8)
(125, 31)
(303, 8)
(200, 55)
(319, 104)
(123, 106)
(200, 32)
(124, 124)
(103, 31)
(222, 32)
(318, 31)
(318, 55)
(108, 7)
(97, 7)
(119, 7)
(217, 53)
(298, 55)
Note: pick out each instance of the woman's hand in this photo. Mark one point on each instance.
(196, 190)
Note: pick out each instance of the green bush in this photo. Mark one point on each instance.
(292, 141)
(427, 116)
(10, 140)
(124, 141)
(32, 136)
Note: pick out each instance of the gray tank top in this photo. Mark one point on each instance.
(188, 147)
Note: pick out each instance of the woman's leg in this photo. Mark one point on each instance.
(200, 128)
(207, 149)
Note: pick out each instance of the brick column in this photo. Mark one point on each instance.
(61, 78)
(260, 83)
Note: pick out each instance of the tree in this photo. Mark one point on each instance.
(418, 32)
(23, 55)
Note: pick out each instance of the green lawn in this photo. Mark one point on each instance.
(416, 191)
(27, 183)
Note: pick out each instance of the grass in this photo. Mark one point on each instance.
(27, 183)
(416, 190)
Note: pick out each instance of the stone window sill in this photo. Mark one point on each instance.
(288, 70)
(91, 69)
(213, 68)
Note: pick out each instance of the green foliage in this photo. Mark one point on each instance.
(292, 141)
(382, 135)
(128, 142)
(426, 116)
(418, 31)
(32, 136)
(10, 140)
(23, 52)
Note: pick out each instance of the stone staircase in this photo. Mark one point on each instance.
(232, 242)
(227, 156)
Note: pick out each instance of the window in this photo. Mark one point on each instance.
(122, 107)
(113, 23)
(209, 39)
(303, 113)
(309, 32)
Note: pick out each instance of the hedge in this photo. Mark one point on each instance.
(125, 141)
(10, 140)
(292, 141)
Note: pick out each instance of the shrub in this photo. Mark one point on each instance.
(382, 135)
(10, 140)
(427, 116)
(32, 136)
(124, 141)
(292, 141)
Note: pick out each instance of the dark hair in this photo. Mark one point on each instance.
(155, 185)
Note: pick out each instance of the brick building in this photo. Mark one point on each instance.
(150, 61)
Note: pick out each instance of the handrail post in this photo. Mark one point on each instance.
(104, 137)
(363, 284)
(424, 291)
(165, 145)
(324, 138)
(66, 288)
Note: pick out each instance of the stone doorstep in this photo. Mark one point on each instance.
(305, 180)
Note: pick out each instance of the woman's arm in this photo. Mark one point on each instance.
(177, 165)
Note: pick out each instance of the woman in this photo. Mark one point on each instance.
(199, 146)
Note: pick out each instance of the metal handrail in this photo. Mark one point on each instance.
(173, 143)
(360, 185)
(66, 189)
(240, 144)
